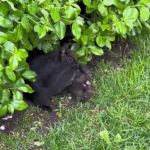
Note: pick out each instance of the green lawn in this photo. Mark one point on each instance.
(119, 118)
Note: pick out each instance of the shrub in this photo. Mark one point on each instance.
(29, 24)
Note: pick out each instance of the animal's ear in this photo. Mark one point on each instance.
(67, 54)
(65, 46)
(63, 52)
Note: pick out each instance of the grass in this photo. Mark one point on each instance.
(117, 119)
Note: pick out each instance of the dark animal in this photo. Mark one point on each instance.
(81, 88)
(59, 72)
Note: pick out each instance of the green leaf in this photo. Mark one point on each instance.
(121, 28)
(87, 3)
(81, 51)
(130, 13)
(41, 30)
(130, 16)
(24, 1)
(11, 108)
(3, 37)
(25, 88)
(16, 16)
(144, 13)
(93, 28)
(33, 8)
(80, 21)
(146, 2)
(60, 29)
(5, 23)
(27, 43)
(70, 12)
(20, 82)
(108, 44)
(84, 39)
(11, 5)
(3, 110)
(100, 41)
(147, 25)
(5, 96)
(20, 105)
(9, 46)
(110, 37)
(4, 9)
(1, 67)
(21, 54)
(40, 143)
(105, 27)
(19, 32)
(25, 23)
(102, 9)
(10, 74)
(41, 1)
(105, 136)
(17, 95)
(96, 50)
(28, 74)
(76, 30)
(13, 62)
(117, 3)
(1, 80)
(47, 46)
(22, 67)
(118, 138)
(45, 13)
(108, 2)
(55, 14)
(18, 102)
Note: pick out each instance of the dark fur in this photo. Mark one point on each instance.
(58, 72)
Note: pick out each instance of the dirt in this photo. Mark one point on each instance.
(10, 123)
(34, 114)
(118, 52)
(114, 56)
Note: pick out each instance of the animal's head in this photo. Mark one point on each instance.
(83, 88)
